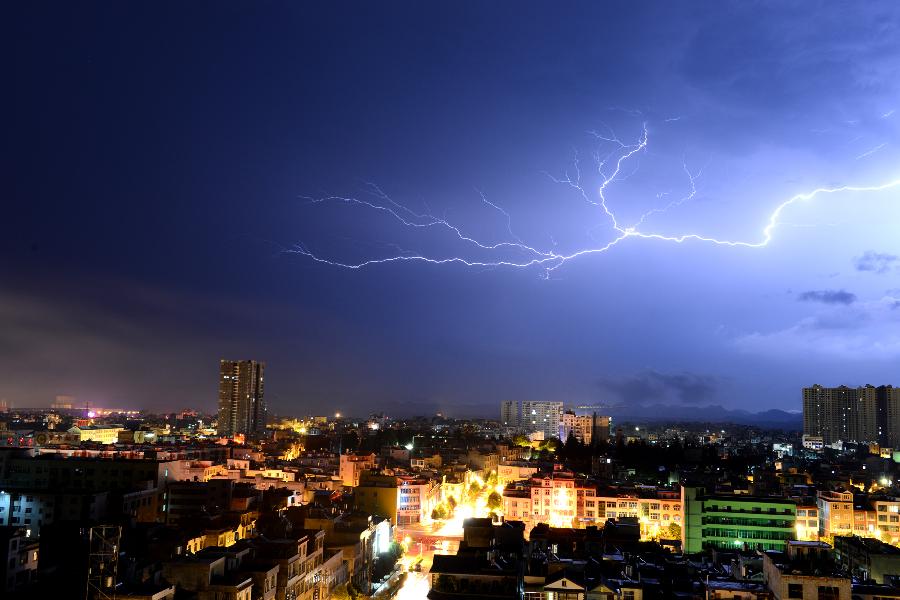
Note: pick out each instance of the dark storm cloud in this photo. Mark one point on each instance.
(828, 296)
(650, 386)
(875, 262)
(107, 355)
(832, 77)
(862, 333)
(771, 92)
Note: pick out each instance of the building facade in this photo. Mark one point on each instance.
(403, 500)
(103, 434)
(862, 414)
(529, 416)
(242, 407)
(581, 427)
(735, 521)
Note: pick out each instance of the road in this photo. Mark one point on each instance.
(423, 544)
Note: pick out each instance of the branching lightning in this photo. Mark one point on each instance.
(515, 253)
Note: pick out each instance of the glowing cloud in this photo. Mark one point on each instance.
(609, 169)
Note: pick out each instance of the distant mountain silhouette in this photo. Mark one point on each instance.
(712, 413)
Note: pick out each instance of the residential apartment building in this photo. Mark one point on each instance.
(835, 513)
(18, 558)
(735, 521)
(403, 500)
(867, 558)
(242, 407)
(862, 414)
(515, 471)
(351, 465)
(807, 524)
(517, 504)
(32, 509)
(581, 427)
(416, 499)
(846, 514)
(656, 511)
(529, 416)
(558, 499)
(585, 428)
(805, 570)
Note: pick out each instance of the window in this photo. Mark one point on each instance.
(795, 590)
(828, 593)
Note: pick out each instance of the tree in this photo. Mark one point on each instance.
(474, 489)
(395, 550)
(671, 532)
(452, 502)
(494, 501)
(345, 592)
(439, 513)
(521, 440)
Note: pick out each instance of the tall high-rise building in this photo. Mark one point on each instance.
(862, 414)
(889, 404)
(242, 408)
(528, 416)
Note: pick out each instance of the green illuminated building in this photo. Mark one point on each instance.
(735, 521)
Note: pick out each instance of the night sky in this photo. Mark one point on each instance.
(163, 157)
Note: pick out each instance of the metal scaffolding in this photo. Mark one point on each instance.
(103, 562)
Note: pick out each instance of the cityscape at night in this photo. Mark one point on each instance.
(451, 301)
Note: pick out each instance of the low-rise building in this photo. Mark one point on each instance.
(581, 427)
(736, 521)
(33, 509)
(805, 571)
(807, 524)
(404, 500)
(554, 499)
(656, 510)
(18, 558)
(510, 472)
(475, 577)
(353, 465)
(835, 513)
(103, 434)
(867, 558)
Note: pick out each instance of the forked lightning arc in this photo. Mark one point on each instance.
(609, 169)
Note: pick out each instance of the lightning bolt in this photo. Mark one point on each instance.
(515, 253)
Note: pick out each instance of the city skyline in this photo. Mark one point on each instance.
(169, 201)
(451, 301)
